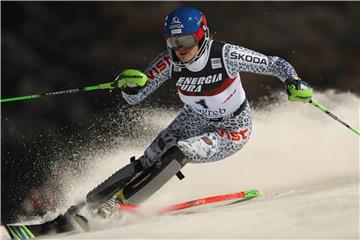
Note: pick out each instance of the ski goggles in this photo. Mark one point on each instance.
(186, 41)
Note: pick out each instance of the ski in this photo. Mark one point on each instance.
(240, 196)
(72, 221)
(67, 222)
(31, 231)
(21, 231)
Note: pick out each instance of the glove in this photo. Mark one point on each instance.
(131, 81)
(298, 90)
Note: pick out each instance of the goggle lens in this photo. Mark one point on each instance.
(186, 41)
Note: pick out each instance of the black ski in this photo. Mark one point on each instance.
(66, 222)
(58, 225)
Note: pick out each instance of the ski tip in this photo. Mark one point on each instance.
(252, 193)
(19, 232)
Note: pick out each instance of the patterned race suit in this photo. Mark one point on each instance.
(216, 119)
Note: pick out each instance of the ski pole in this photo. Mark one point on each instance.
(61, 92)
(324, 110)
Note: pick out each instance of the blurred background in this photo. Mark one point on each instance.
(48, 46)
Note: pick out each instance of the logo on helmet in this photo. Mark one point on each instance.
(175, 20)
(176, 23)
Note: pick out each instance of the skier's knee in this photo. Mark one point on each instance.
(157, 148)
(205, 145)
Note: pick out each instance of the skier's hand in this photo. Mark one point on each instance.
(130, 81)
(298, 90)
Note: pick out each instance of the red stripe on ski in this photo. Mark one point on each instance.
(184, 205)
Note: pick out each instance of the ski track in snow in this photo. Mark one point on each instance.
(305, 163)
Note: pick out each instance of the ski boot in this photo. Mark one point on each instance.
(73, 215)
(110, 207)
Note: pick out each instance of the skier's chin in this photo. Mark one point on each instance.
(186, 54)
(185, 57)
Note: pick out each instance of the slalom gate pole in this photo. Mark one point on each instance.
(68, 91)
(324, 110)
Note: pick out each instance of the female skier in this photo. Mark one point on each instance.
(215, 121)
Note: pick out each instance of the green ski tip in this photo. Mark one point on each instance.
(252, 193)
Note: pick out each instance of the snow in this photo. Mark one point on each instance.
(315, 213)
(305, 163)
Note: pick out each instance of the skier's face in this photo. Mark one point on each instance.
(186, 54)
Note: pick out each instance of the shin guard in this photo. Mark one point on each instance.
(153, 178)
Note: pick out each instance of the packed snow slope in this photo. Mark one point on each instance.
(305, 163)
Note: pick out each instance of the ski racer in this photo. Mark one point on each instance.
(215, 121)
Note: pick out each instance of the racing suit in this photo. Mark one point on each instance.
(215, 121)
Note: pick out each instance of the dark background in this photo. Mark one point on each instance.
(48, 46)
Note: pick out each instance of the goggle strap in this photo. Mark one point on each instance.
(201, 32)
